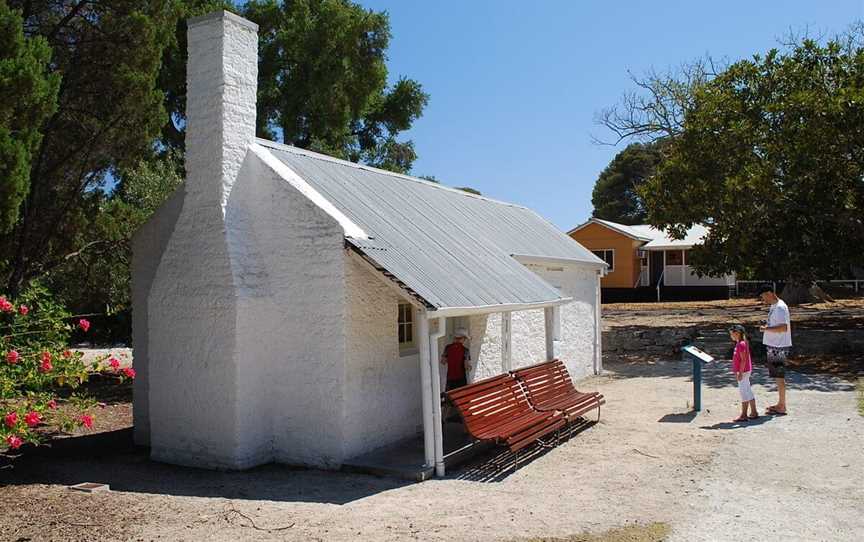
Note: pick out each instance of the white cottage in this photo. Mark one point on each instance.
(290, 307)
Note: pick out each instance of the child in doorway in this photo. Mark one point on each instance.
(742, 367)
(457, 358)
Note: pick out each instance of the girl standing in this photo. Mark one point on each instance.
(742, 366)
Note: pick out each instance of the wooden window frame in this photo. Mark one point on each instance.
(406, 329)
(677, 254)
(604, 250)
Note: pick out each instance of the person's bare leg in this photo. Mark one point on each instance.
(781, 392)
(743, 416)
(753, 412)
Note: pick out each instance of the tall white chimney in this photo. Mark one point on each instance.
(222, 81)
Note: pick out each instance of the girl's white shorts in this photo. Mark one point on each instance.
(744, 388)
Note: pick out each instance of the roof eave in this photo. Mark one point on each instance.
(506, 307)
(608, 226)
(532, 258)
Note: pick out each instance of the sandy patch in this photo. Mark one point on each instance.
(647, 461)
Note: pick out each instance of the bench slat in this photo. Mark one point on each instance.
(549, 388)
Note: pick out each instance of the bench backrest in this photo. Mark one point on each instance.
(546, 380)
(489, 403)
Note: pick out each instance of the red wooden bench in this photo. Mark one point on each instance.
(497, 409)
(550, 389)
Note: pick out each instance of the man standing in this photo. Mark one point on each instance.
(777, 338)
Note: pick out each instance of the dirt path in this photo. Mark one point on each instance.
(646, 461)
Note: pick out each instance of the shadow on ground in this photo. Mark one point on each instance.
(114, 460)
(738, 425)
(111, 458)
(497, 465)
(719, 375)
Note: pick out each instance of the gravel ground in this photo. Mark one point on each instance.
(797, 477)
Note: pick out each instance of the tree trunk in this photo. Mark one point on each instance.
(796, 293)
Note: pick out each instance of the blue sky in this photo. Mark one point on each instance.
(515, 85)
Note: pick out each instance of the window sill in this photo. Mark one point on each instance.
(406, 352)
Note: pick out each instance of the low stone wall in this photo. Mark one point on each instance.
(666, 342)
(658, 341)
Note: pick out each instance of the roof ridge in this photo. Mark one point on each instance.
(327, 157)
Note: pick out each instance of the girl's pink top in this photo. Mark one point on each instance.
(741, 358)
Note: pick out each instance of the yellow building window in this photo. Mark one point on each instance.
(607, 255)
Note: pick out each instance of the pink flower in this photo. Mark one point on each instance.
(23, 310)
(46, 363)
(11, 419)
(86, 420)
(32, 419)
(129, 372)
(14, 442)
(5, 305)
(67, 354)
(84, 325)
(52, 404)
(12, 357)
(114, 363)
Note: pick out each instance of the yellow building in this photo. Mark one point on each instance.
(645, 262)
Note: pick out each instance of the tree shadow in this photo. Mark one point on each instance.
(719, 375)
(112, 459)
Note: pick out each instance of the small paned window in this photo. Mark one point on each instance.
(405, 326)
(673, 257)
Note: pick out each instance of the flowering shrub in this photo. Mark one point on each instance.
(36, 363)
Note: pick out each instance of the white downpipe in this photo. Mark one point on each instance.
(506, 341)
(683, 271)
(426, 389)
(549, 320)
(598, 329)
(434, 362)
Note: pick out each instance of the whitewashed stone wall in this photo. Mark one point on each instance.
(382, 390)
(291, 319)
(528, 333)
(191, 355)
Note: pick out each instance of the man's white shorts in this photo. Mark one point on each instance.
(744, 388)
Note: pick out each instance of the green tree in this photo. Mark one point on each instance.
(615, 196)
(323, 81)
(771, 158)
(96, 278)
(28, 95)
(107, 55)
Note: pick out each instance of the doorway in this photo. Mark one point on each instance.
(656, 265)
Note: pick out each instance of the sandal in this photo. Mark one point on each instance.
(740, 419)
(753, 417)
(772, 411)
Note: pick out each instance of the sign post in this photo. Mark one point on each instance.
(697, 358)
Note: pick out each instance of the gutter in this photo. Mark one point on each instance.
(504, 307)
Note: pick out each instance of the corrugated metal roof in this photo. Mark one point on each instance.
(656, 239)
(451, 248)
(694, 236)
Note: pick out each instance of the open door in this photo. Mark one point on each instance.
(656, 265)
